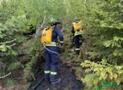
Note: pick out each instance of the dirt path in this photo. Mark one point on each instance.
(69, 81)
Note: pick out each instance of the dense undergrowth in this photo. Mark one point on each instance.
(103, 33)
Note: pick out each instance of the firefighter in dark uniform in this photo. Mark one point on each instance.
(77, 37)
(51, 35)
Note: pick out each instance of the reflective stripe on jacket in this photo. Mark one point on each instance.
(51, 44)
(78, 33)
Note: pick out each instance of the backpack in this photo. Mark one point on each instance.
(77, 26)
(46, 35)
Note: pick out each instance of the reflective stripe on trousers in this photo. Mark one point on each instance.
(51, 62)
(53, 73)
(50, 72)
(77, 48)
(46, 72)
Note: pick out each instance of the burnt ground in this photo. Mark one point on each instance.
(69, 81)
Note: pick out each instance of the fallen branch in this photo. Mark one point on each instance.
(5, 75)
(12, 44)
(8, 42)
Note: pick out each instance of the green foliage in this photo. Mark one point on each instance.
(9, 82)
(106, 29)
(29, 68)
(90, 80)
(102, 19)
(102, 71)
(13, 66)
(15, 18)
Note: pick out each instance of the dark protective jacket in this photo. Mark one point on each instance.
(57, 34)
(77, 40)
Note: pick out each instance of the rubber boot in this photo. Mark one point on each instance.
(55, 80)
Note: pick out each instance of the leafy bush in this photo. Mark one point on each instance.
(102, 71)
(101, 18)
(105, 28)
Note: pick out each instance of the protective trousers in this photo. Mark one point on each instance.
(77, 43)
(51, 63)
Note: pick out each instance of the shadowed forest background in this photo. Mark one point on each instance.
(101, 56)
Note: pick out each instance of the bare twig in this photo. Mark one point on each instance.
(13, 45)
(5, 75)
(7, 42)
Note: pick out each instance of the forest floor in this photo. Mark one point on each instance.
(69, 80)
(67, 74)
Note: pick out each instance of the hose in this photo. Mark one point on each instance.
(51, 50)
